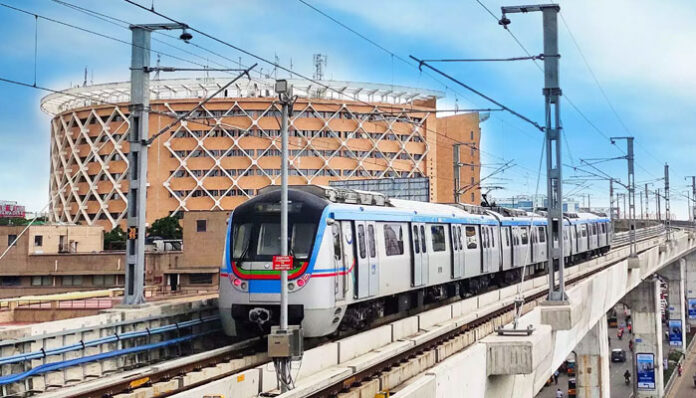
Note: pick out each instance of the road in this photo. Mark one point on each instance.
(618, 388)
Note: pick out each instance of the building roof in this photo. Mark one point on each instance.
(198, 88)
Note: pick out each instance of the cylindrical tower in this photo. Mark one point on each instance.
(231, 147)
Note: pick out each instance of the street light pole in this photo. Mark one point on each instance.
(283, 337)
(553, 131)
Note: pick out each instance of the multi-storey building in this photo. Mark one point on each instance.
(230, 147)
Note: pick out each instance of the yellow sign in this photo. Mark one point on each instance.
(240, 378)
(132, 233)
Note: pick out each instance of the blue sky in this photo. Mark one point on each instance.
(638, 51)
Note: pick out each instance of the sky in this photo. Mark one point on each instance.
(625, 70)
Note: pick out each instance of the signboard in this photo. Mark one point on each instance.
(11, 210)
(282, 263)
(645, 371)
(675, 332)
(692, 308)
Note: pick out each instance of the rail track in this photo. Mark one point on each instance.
(172, 377)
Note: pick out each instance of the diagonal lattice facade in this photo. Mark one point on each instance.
(231, 147)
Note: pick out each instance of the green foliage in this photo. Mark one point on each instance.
(166, 227)
(115, 239)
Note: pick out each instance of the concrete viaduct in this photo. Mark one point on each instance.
(518, 366)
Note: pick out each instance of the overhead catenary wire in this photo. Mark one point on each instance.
(383, 48)
(473, 90)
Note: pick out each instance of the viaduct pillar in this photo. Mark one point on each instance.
(676, 274)
(690, 290)
(644, 301)
(592, 360)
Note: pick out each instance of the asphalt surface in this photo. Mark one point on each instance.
(618, 387)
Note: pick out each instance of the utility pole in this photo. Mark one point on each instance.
(659, 208)
(640, 197)
(553, 131)
(668, 217)
(611, 203)
(457, 165)
(631, 191)
(692, 201)
(137, 158)
(647, 201)
(284, 343)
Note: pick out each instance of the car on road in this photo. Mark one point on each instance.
(618, 355)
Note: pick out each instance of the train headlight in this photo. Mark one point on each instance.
(244, 285)
(291, 286)
(237, 282)
(300, 283)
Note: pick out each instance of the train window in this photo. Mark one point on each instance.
(492, 231)
(438, 237)
(393, 239)
(507, 237)
(471, 242)
(242, 235)
(459, 237)
(604, 228)
(542, 235)
(583, 229)
(523, 234)
(371, 240)
(534, 235)
(594, 229)
(422, 238)
(301, 241)
(336, 230)
(416, 246)
(361, 241)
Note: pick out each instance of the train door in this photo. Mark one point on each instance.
(506, 251)
(542, 243)
(456, 252)
(419, 273)
(472, 252)
(362, 268)
(373, 259)
(339, 259)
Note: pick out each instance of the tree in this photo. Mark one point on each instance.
(115, 239)
(166, 228)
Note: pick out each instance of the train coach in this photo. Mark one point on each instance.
(358, 256)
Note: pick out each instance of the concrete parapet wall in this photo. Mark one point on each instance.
(16, 340)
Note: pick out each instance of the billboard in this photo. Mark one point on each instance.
(692, 308)
(11, 210)
(675, 332)
(645, 371)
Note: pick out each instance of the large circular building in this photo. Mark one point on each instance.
(230, 147)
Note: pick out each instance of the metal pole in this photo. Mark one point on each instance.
(554, 187)
(137, 167)
(647, 201)
(657, 201)
(668, 216)
(455, 160)
(284, 214)
(611, 202)
(640, 197)
(631, 196)
(286, 99)
(552, 130)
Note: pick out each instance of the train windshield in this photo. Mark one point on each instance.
(261, 241)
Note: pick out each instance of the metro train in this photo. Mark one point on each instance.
(358, 256)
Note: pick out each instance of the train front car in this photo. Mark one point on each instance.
(250, 287)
